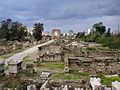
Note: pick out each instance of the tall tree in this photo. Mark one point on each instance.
(5, 29)
(108, 32)
(37, 32)
(80, 34)
(12, 30)
(100, 28)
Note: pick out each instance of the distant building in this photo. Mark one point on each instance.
(64, 34)
(15, 66)
(71, 33)
(30, 32)
(56, 33)
(90, 31)
(46, 34)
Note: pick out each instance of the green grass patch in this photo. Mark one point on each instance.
(12, 82)
(108, 80)
(27, 59)
(52, 65)
(115, 79)
(102, 47)
(72, 76)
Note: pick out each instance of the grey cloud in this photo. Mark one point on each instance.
(60, 13)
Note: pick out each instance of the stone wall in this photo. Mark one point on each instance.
(52, 52)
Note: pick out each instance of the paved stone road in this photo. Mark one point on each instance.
(21, 55)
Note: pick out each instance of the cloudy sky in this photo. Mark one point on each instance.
(77, 15)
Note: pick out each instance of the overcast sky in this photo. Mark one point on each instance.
(77, 15)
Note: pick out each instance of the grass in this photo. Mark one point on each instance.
(101, 47)
(115, 78)
(57, 69)
(12, 82)
(52, 65)
(72, 76)
(27, 59)
(108, 80)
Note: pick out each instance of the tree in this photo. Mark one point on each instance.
(100, 28)
(5, 29)
(80, 34)
(37, 32)
(108, 34)
(18, 31)
(12, 30)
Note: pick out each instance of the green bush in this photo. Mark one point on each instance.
(112, 41)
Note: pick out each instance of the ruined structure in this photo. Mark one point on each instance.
(115, 85)
(78, 63)
(106, 65)
(95, 61)
(96, 83)
(56, 33)
(77, 57)
(1, 67)
(14, 66)
(52, 52)
(57, 85)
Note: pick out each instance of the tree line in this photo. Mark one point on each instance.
(99, 34)
(14, 30)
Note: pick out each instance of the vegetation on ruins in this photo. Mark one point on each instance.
(102, 36)
(108, 80)
(52, 65)
(73, 75)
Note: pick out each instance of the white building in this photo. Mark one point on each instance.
(30, 31)
(88, 32)
(46, 34)
(71, 32)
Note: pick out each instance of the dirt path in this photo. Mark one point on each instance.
(21, 55)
